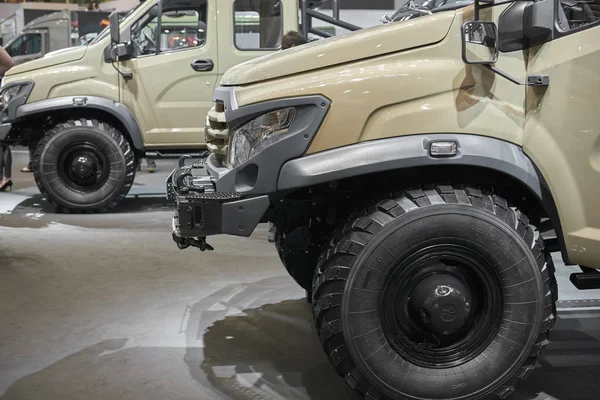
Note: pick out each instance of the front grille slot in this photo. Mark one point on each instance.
(216, 132)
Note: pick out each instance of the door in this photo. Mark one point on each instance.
(174, 72)
(562, 132)
(27, 47)
(253, 28)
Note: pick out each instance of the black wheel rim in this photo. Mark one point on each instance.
(442, 306)
(83, 167)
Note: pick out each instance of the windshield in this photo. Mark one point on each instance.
(106, 31)
(417, 8)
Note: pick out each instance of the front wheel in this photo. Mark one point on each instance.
(444, 293)
(84, 165)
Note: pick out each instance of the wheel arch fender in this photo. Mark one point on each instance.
(80, 103)
(380, 156)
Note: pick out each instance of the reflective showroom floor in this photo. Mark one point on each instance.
(106, 307)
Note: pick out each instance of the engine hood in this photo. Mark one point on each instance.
(50, 59)
(366, 43)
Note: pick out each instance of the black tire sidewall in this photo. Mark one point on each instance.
(62, 194)
(488, 371)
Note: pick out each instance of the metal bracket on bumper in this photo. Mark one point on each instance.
(200, 211)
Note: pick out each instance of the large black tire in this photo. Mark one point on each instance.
(106, 187)
(350, 287)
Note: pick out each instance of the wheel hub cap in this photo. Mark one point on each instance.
(441, 304)
(84, 167)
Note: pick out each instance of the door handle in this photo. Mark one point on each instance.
(203, 65)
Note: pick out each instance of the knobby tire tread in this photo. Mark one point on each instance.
(101, 128)
(336, 260)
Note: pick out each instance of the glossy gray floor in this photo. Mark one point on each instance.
(105, 307)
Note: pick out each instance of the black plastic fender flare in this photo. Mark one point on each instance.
(414, 151)
(116, 109)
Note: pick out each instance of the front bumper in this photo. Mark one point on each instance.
(200, 211)
(211, 198)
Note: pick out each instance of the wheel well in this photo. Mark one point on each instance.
(332, 203)
(33, 127)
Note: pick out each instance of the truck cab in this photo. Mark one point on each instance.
(420, 177)
(140, 88)
(184, 48)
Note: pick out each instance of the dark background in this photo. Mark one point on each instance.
(31, 14)
(363, 5)
(90, 21)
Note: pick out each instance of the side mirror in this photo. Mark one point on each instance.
(115, 35)
(480, 42)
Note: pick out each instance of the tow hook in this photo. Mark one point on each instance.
(199, 243)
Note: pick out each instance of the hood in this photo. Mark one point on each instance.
(51, 59)
(352, 47)
(59, 51)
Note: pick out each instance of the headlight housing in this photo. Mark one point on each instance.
(253, 137)
(10, 91)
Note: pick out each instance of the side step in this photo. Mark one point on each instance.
(586, 280)
(170, 154)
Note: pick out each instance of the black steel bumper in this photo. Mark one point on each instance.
(200, 211)
(212, 199)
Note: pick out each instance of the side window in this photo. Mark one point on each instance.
(143, 33)
(181, 29)
(573, 14)
(182, 26)
(14, 48)
(258, 25)
(30, 43)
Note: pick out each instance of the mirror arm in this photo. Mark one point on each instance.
(504, 74)
(532, 80)
(158, 28)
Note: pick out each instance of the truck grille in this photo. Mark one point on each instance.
(216, 131)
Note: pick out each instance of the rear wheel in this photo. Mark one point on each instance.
(444, 293)
(84, 165)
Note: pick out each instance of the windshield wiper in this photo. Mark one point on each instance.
(420, 9)
(408, 6)
(386, 19)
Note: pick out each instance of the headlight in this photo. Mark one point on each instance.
(258, 134)
(10, 93)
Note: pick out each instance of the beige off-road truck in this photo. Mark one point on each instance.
(409, 169)
(141, 88)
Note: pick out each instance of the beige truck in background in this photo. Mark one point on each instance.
(419, 175)
(142, 88)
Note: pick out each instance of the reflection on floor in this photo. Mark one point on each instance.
(268, 351)
(105, 307)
